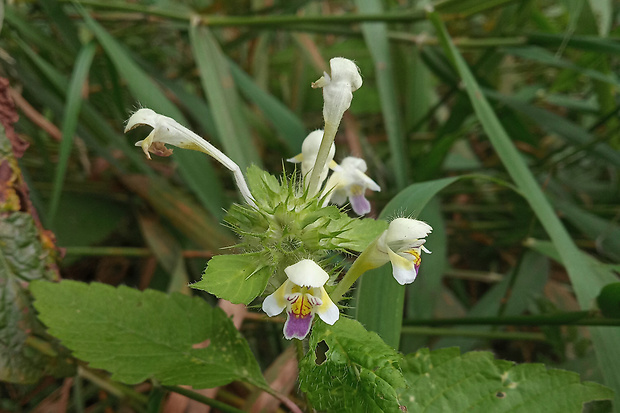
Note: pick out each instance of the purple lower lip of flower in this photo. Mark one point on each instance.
(297, 327)
(360, 204)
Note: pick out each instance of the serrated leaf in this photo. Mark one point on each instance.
(446, 381)
(360, 233)
(238, 278)
(21, 262)
(360, 372)
(264, 186)
(138, 335)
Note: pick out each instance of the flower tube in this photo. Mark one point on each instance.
(337, 93)
(168, 131)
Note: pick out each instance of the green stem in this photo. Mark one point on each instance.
(299, 346)
(129, 252)
(577, 318)
(260, 20)
(203, 399)
(116, 389)
(431, 331)
(321, 158)
(359, 267)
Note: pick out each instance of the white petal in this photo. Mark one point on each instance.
(276, 302)
(352, 162)
(403, 270)
(309, 151)
(328, 311)
(344, 70)
(141, 117)
(307, 273)
(338, 93)
(405, 229)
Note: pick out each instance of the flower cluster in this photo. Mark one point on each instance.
(287, 228)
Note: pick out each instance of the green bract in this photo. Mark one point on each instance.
(286, 226)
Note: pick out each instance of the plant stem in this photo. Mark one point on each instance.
(321, 158)
(577, 318)
(359, 267)
(116, 389)
(129, 252)
(260, 20)
(203, 399)
(431, 331)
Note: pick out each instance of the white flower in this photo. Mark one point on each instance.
(338, 88)
(307, 157)
(168, 131)
(337, 93)
(350, 181)
(401, 244)
(302, 295)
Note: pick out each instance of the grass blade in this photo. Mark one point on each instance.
(375, 35)
(69, 123)
(220, 90)
(291, 129)
(585, 283)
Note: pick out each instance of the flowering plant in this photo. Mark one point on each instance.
(287, 228)
(299, 254)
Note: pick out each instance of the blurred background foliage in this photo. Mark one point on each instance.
(238, 73)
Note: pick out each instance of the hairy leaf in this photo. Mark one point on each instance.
(21, 262)
(237, 278)
(137, 335)
(358, 372)
(446, 381)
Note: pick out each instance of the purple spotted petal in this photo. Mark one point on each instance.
(297, 327)
(360, 204)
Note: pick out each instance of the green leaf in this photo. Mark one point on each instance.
(358, 372)
(22, 259)
(446, 381)
(359, 233)
(141, 335)
(265, 187)
(238, 278)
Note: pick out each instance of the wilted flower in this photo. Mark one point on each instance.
(401, 244)
(168, 131)
(350, 181)
(307, 157)
(302, 295)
